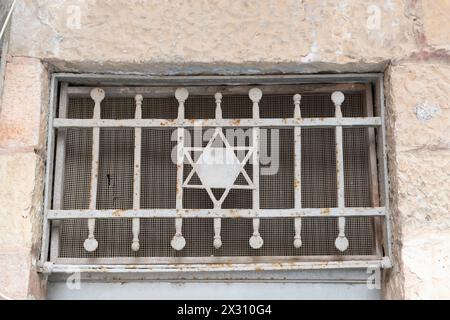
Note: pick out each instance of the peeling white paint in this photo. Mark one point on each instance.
(426, 111)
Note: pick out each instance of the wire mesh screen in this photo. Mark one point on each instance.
(158, 181)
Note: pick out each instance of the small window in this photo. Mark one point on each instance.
(235, 174)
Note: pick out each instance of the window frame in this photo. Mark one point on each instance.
(372, 83)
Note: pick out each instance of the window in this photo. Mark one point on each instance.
(276, 175)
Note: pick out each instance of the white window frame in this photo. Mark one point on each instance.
(151, 86)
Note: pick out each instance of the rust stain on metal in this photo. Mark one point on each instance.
(117, 213)
(234, 213)
(167, 122)
(326, 211)
(296, 184)
(236, 122)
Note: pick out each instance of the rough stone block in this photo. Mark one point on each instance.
(18, 210)
(436, 22)
(24, 104)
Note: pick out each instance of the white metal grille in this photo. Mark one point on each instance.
(117, 220)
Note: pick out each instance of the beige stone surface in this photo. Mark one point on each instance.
(15, 262)
(18, 174)
(23, 110)
(23, 117)
(427, 265)
(182, 36)
(419, 125)
(437, 22)
(20, 224)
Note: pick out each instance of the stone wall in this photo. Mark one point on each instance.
(406, 39)
(22, 140)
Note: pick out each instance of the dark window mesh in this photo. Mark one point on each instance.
(158, 182)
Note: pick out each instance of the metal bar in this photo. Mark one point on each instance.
(137, 174)
(196, 80)
(97, 95)
(214, 213)
(256, 241)
(297, 171)
(58, 193)
(270, 123)
(387, 222)
(49, 170)
(340, 168)
(241, 187)
(165, 92)
(217, 242)
(55, 268)
(341, 241)
(209, 260)
(178, 241)
(373, 171)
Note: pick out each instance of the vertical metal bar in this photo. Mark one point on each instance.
(373, 171)
(385, 194)
(179, 242)
(341, 241)
(218, 222)
(49, 169)
(256, 241)
(58, 190)
(137, 174)
(97, 95)
(297, 171)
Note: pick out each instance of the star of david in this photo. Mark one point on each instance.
(218, 168)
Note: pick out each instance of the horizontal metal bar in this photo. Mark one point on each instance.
(214, 213)
(49, 267)
(164, 123)
(208, 260)
(208, 80)
(201, 187)
(164, 92)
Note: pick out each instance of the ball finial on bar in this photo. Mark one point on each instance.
(338, 98)
(255, 94)
(182, 94)
(138, 98)
(97, 94)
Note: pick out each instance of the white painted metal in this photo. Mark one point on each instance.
(298, 233)
(297, 171)
(217, 229)
(221, 267)
(48, 193)
(217, 243)
(218, 167)
(330, 122)
(97, 95)
(179, 242)
(215, 213)
(177, 123)
(137, 174)
(58, 190)
(256, 241)
(341, 241)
